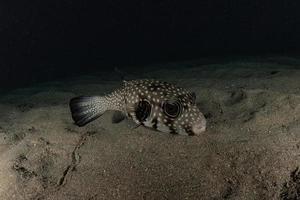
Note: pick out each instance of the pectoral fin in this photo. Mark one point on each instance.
(118, 117)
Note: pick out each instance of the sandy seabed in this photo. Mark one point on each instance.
(251, 149)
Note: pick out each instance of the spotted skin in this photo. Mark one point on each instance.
(155, 104)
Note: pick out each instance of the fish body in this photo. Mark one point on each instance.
(151, 103)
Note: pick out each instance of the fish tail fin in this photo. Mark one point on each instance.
(85, 109)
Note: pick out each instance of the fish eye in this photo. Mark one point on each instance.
(172, 108)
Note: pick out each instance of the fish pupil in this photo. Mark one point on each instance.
(143, 111)
(172, 109)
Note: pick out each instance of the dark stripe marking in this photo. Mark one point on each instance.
(189, 131)
(172, 130)
(154, 121)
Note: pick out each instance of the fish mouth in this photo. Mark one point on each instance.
(199, 127)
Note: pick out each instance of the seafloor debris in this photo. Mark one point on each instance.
(291, 189)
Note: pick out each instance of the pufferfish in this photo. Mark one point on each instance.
(152, 103)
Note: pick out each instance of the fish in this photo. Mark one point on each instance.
(155, 104)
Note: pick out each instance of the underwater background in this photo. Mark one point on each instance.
(241, 58)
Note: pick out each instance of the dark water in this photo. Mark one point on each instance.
(42, 41)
